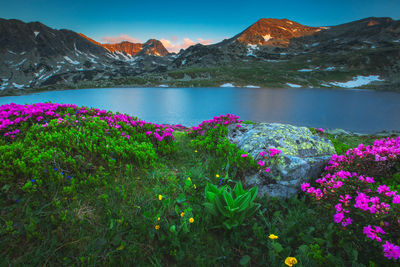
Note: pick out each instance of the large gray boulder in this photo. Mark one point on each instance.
(302, 158)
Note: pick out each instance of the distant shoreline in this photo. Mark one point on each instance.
(21, 92)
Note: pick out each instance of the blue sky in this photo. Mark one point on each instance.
(181, 23)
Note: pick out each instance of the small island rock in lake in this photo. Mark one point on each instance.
(302, 158)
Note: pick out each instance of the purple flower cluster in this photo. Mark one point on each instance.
(272, 153)
(373, 232)
(357, 195)
(166, 133)
(382, 150)
(12, 115)
(208, 124)
(319, 130)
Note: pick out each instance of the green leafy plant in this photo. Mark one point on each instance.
(231, 206)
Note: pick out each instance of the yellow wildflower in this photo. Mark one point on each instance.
(191, 220)
(290, 261)
(195, 151)
(182, 214)
(194, 186)
(157, 227)
(159, 197)
(189, 179)
(217, 175)
(158, 218)
(272, 236)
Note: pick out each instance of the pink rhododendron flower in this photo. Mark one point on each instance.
(373, 233)
(396, 199)
(391, 251)
(304, 186)
(338, 217)
(261, 163)
(347, 221)
(382, 189)
(274, 151)
(244, 155)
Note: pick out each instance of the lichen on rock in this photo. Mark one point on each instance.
(302, 158)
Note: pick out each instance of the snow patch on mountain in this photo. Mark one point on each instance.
(71, 61)
(227, 85)
(19, 64)
(293, 85)
(250, 50)
(358, 81)
(267, 37)
(18, 86)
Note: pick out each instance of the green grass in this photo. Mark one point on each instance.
(109, 212)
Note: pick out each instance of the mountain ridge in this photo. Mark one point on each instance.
(36, 56)
(150, 47)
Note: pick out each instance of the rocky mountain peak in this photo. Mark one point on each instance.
(154, 47)
(151, 47)
(275, 32)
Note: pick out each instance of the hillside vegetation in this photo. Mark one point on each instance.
(81, 186)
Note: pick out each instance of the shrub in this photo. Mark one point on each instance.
(360, 204)
(231, 207)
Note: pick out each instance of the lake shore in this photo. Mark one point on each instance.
(27, 91)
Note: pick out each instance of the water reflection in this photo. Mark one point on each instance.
(356, 110)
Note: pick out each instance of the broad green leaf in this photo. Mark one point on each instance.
(245, 202)
(233, 210)
(211, 188)
(220, 206)
(210, 196)
(253, 192)
(239, 189)
(228, 199)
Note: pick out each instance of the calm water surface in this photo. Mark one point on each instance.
(355, 110)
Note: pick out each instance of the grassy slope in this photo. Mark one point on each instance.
(115, 223)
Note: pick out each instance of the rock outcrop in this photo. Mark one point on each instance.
(302, 158)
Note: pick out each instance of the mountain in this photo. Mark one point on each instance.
(274, 32)
(36, 56)
(126, 47)
(151, 47)
(269, 53)
(324, 55)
